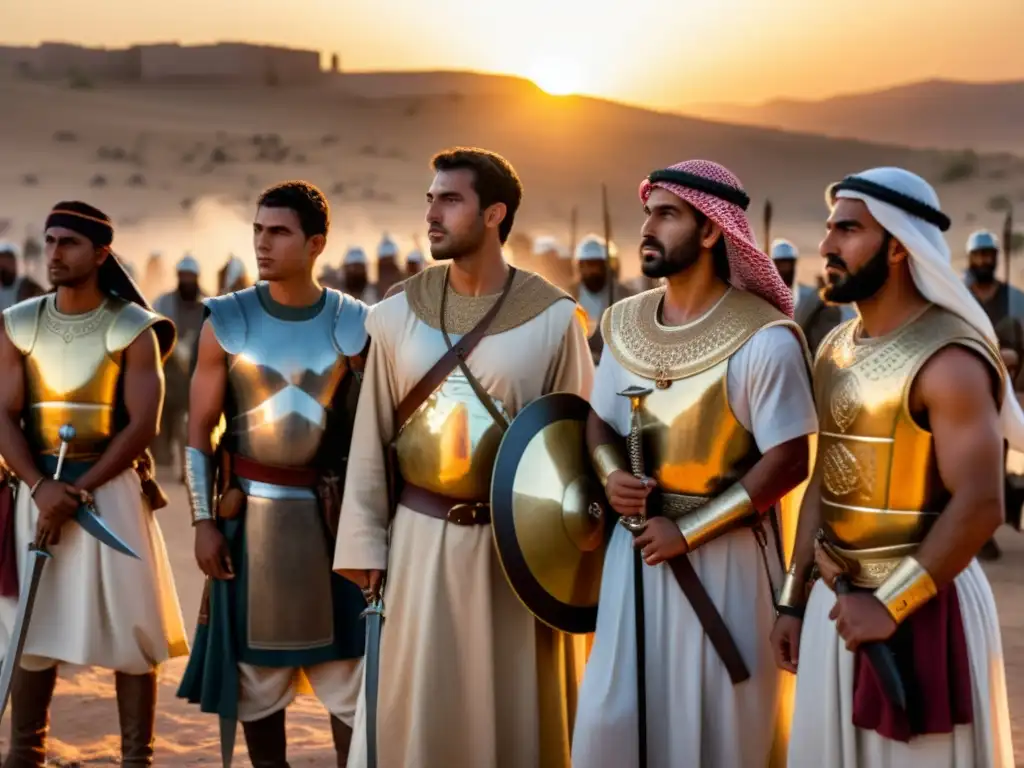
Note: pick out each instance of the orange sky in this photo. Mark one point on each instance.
(664, 53)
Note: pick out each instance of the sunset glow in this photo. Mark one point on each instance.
(557, 76)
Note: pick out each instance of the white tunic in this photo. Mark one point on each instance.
(695, 715)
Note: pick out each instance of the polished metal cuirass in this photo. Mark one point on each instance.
(282, 379)
(72, 366)
(449, 444)
(880, 486)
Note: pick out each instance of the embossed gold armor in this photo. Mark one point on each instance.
(449, 444)
(72, 366)
(880, 488)
(693, 444)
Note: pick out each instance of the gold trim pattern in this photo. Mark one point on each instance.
(664, 354)
(906, 589)
(847, 468)
(71, 327)
(530, 295)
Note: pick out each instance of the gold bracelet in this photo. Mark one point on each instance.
(608, 458)
(908, 587)
(35, 487)
(793, 594)
(719, 515)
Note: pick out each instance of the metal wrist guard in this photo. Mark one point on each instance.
(792, 596)
(199, 479)
(718, 516)
(908, 588)
(608, 458)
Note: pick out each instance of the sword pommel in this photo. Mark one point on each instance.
(66, 435)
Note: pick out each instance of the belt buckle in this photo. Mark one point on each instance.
(455, 514)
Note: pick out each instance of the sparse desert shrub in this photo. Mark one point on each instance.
(368, 150)
(30, 180)
(999, 203)
(136, 180)
(338, 188)
(219, 155)
(79, 80)
(329, 140)
(99, 180)
(1017, 242)
(963, 166)
(65, 137)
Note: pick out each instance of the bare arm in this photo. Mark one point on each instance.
(206, 395)
(13, 446)
(778, 471)
(956, 389)
(143, 398)
(806, 530)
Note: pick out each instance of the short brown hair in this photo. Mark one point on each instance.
(494, 179)
(306, 200)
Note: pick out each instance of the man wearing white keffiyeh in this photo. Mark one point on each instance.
(914, 403)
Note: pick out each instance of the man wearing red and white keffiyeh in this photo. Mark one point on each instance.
(704, 386)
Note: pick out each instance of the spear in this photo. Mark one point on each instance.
(607, 221)
(1007, 244)
(767, 224)
(573, 223)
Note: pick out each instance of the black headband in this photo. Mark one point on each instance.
(726, 192)
(99, 230)
(904, 202)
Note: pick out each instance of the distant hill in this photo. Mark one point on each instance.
(936, 113)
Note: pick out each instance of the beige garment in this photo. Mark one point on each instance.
(468, 676)
(822, 733)
(266, 690)
(96, 606)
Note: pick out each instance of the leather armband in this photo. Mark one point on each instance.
(792, 596)
(908, 588)
(608, 458)
(199, 479)
(721, 514)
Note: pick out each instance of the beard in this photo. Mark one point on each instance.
(188, 292)
(356, 284)
(594, 283)
(984, 274)
(669, 262)
(862, 284)
(457, 246)
(7, 277)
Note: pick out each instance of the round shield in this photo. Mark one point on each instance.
(548, 513)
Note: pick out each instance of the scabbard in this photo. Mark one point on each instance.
(710, 619)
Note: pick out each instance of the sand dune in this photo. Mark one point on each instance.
(181, 165)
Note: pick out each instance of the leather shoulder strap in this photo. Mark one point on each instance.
(440, 370)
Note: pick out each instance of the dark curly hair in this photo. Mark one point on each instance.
(494, 180)
(305, 199)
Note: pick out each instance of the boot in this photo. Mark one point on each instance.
(342, 740)
(31, 694)
(266, 741)
(136, 711)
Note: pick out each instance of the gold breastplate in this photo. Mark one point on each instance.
(693, 443)
(72, 366)
(449, 444)
(880, 485)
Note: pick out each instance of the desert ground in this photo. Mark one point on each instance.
(179, 167)
(84, 717)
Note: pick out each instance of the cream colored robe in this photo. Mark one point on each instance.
(468, 676)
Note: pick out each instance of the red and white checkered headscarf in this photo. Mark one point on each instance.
(750, 268)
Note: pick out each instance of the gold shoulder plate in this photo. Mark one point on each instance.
(654, 351)
(22, 322)
(944, 328)
(530, 295)
(131, 320)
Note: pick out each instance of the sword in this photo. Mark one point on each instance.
(374, 615)
(635, 524)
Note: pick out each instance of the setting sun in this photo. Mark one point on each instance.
(557, 76)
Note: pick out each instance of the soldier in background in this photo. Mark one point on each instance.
(815, 316)
(597, 288)
(184, 307)
(355, 278)
(413, 263)
(14, 287)
(388, 271)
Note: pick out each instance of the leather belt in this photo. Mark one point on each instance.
(445, 508)
(290, 477)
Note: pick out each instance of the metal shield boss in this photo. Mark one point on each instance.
(548, 513)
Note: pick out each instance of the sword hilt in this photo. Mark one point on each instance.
(66, 435)
(634, 445)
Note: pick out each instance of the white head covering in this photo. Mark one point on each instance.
(387, 248)
(188, 264)
(234, 271)
(592, 248)
(930, 265)
(8, 247)
(784, 250)
(545, 244)
(414, 257)
(982, 240)
(355, 255)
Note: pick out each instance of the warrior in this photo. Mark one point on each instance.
(814, 316)
(87, 356)
(413, 263)
(277, 362)
(184, 307)
(467, 675)
(388, 271)
(355, 278)
(14, 287)
(706, 380)
(897, 650)
(598, 287)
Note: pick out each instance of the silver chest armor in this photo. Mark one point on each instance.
(283, 373)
